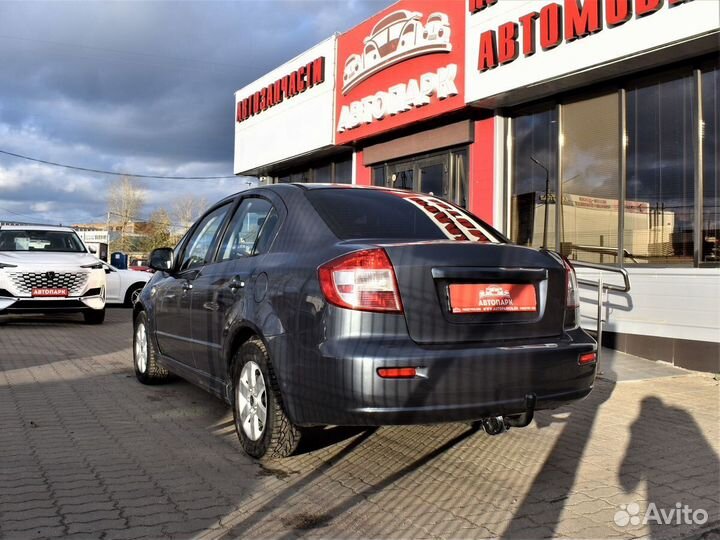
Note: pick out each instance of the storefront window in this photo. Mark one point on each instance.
(459, 175)
(300, 177)
(590, 179)
(378, 176)
(660, 217)
(343, 172)
(657, 191)
(535, 137)
(323, 174)
(327, 171)
(710, 84)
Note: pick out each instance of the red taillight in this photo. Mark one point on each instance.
(587, 358)
(397, 373)
(363, 280)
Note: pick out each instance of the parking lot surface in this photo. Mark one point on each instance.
(89, 452)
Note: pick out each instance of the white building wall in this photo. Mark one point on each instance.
(679, 303)
(650, 33)
(297, 126)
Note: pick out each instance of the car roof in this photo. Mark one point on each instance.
(314, 186)
(35, 228)
(279, 188)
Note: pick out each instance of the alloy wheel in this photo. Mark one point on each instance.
(134, 296)
(141, 348)
(251, 401)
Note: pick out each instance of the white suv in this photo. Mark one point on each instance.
(49, 270)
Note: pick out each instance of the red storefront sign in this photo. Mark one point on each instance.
(403, 65)
(554, 23)
(286, 87)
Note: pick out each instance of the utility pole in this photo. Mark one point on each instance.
(547, 197)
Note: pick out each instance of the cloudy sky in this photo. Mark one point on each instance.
(139, 87)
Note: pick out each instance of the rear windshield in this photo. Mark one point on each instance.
(19, 240)
(355, 214)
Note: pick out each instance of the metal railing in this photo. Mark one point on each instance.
(612, 251)
(602, 287)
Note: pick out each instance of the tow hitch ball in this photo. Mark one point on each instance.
(495, 425)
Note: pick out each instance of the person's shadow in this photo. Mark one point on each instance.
(554, 483)
(669, 452)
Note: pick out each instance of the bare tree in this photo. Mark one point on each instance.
(185, 210)
(125, 201)
(158, 232)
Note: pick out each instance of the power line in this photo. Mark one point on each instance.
(28, 215)
(99, 171)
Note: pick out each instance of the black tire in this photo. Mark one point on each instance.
(150, 372)
(130, 292)
(94, 316)
(278, 437)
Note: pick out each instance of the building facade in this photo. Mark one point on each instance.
(588, 125)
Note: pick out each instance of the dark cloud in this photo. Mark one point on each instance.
(145, 87)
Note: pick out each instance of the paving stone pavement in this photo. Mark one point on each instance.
(87, 452)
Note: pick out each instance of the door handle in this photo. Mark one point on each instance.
(187, 286)
(236, 283)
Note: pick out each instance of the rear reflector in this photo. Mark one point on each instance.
(397, 373)
(363, 280)
(587, 358)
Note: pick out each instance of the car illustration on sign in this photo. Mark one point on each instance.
(397, 37)
(494, 291)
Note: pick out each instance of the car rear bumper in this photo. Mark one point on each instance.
(340, 384)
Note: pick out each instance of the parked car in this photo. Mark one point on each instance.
(306, 305)
(124, 286)
(49, 270)
(141, 269)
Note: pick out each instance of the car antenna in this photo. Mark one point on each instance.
(547, 197)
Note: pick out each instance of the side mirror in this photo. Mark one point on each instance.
(92, 249)
(162, 259)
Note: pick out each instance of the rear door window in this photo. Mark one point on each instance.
(254, 220)
(355, 214)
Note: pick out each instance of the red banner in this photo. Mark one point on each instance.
(403, 65)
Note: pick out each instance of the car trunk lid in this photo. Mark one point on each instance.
(456, 292)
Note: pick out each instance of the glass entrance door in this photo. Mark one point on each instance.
(433, 176)
(443, 174)
(429, 175)
(401, 175)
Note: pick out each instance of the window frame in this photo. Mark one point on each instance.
(226, 230)
(212, 249)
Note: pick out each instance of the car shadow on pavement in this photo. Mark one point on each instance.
(319, 438)
(346, 504)
(554, 483)
(668, 452)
